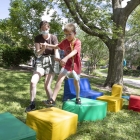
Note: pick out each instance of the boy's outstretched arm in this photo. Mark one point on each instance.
(65, 59)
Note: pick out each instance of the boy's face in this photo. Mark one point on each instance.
(69, 35)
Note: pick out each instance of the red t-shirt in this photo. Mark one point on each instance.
(65, 45)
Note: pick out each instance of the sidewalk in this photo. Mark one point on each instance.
(132, 82)
(135, 83)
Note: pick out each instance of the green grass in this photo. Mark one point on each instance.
(14, 98)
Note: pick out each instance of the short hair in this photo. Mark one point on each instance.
(43, 23)
(70, 27)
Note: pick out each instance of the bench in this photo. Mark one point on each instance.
(89, 110)
(85, 89)
(52, 123)
(115, 101)
(12, 128)
(134, 103)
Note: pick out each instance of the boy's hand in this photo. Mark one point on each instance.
(63, 61)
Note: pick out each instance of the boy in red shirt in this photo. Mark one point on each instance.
(71, 63)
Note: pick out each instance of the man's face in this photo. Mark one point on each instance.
(44, 27)
(69, 35)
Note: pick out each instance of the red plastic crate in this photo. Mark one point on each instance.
(134, 103)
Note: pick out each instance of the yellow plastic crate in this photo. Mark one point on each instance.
(114, 104)
(52, 123)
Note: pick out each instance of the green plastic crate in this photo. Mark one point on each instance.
(13, 129)
(89, 110)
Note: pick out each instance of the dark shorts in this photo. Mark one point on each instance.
(46, 65)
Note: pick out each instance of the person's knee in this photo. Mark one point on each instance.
(76, 82)
(33, 84)
(35, 78)
(47, 87)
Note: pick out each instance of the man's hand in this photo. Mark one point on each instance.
(57, 59)
(44, 45)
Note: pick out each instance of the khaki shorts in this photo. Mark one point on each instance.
(70, 74)
(46, 65)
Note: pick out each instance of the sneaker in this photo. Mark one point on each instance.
(31, 107)
(49, 103)
(78, 101)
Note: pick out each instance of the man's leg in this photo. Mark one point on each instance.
(61, 77)
(47, 84)
(34, 80)
(33, 85)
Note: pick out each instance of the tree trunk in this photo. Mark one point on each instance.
(115, 43)
(116, 47)
(115, 69)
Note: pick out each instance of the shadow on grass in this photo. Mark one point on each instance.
(15, 97)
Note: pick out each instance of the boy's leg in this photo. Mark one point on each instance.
(60, 79)
(77, 88)
(47, 85)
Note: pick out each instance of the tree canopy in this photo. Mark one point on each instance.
(23, 24)
(107, 21)
(104, 19)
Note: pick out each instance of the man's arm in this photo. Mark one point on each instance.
(51, 46)
(57, 55)
(38, 50)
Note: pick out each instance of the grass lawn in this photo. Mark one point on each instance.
(104, 71)
(14, 98)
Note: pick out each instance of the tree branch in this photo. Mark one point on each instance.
(131, 5)
(81, 21)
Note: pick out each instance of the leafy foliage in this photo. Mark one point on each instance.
(131, 72)
(93, 50)
(13, 56)
(25, 17)
(132, 43)
(23, 24)
(133, 21)
(105, 20)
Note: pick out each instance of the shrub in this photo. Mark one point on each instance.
(14, 56)
(131, 72)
